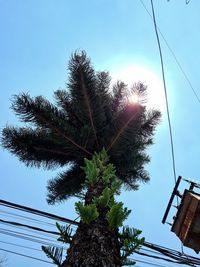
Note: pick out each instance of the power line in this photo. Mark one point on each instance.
(26, 256)
(177, 258)
(32, 238)
(17, 245)
(37, 212)
(165, 90)
(169, 253)
(174, 56)
(28, 226)
(25, 218)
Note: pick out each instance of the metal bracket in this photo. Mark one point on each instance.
(174, 193)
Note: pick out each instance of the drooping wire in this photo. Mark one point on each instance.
(25, 218)
(174, 56)
(26, 256)
(35, 211)
(168, 253)
(165, 90)
(20, 246)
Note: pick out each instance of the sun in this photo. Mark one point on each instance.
(133, 74)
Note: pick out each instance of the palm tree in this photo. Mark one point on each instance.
(86, 118)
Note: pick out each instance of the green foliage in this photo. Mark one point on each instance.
(115, 186)
(91, 171)
(130, 242)
(87, 213)
(97, 166)
(105, 197)
(109, 173)
(101, 157)
(95, 169)
(86, 116)
(54, 253)
(65, 233)
(116, 215)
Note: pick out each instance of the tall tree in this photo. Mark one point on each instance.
(88, 117)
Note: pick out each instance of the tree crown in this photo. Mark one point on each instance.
(87, 116)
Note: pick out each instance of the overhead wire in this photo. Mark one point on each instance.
(176, 260)
(18, 245)
(28, 226)
(165, 90)
(36, 211)
(38, 229)
(32, 238)
(169, 253)
(25, 218)
(174, 56)
(26, 256)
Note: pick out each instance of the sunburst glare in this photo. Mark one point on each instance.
(132, 75)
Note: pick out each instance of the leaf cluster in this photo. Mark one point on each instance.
(130, 242)
(88, 213)
(116, 215)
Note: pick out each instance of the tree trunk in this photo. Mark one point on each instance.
(94, 244)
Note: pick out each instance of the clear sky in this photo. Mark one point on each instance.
(37, 39)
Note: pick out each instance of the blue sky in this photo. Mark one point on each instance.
(37, 39)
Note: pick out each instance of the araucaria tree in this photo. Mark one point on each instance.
(101, 137)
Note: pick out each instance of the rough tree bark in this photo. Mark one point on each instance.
(94, 244)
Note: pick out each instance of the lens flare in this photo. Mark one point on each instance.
(134, 74)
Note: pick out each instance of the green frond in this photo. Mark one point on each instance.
(64, 103)
(38, 111)
(88, 213)
(65, 233)
(103, 84)
(36, 147)
(65, 185)
(42, 113)
(119, 93)
(91, 172)
(140, 90)
(85, 94)
(130, 241)
(55, 254)
(116, 215)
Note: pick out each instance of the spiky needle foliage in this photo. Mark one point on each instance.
(86, 117)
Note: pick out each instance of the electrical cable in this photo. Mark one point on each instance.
(37, 241)
(174, 56)
(26, 256)
(173, 254)
(155, 257)
(25, 218)
(29, 226)
(184, 74)
(178, 261)
(177, 257)
(17, 245)
(165, 90)
(37, 212)
(32, 238)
